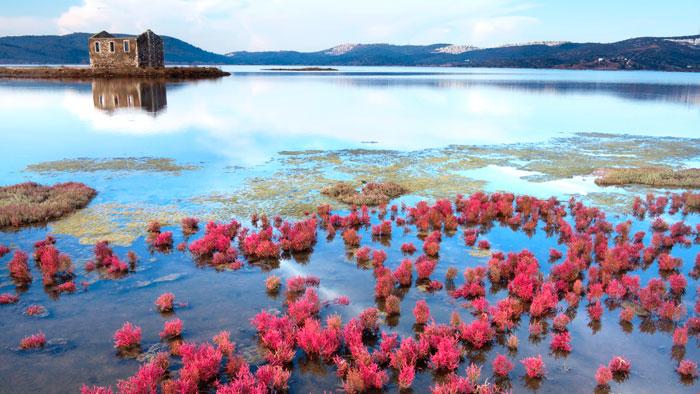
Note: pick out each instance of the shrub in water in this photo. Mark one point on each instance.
(687, 369)
(272, 283)
(603, 375)
(408, 247)
(534, 367)
(127, 336)
(35, 341)
(19, 268)
(619, 364)
(421, 312)
(7, 298)
(165, 302)
(501, 365)
(171, 329)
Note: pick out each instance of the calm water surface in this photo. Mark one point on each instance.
(234, 127)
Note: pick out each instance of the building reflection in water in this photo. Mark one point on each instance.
(114, 94)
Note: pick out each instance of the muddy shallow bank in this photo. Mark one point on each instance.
(167, 73)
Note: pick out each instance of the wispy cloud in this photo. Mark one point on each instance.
(21, 25)
(223, 25)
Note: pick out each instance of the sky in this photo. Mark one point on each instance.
(308, 25)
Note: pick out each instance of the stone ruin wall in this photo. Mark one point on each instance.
(116, 59)
(150, 50)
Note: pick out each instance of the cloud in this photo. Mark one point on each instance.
(500, 27)
(227, 25)
(21, 25)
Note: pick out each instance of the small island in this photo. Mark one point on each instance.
(119, 57)
(302, 69)
(167, 73)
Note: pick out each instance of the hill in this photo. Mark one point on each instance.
(643, 53)
(72, 49)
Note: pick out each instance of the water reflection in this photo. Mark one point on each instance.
(112, 95)
(674, 93)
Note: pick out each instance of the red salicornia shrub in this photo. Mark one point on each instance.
(128, 336)
(19, 268)
(95, 390)
(272, 283)
(28, 203)
(404, 273)
(408, 247)
(67, 287)
(421, 312)
(425, 266)
(163, 240)
(35, 341)
(7, 298)
(260, 246)
(603, 375)
(298, 237)
(447, 354)
(35, 310)
(619, 364)
(501, 365)
(392, 305)
(200, 364)
(189, 225)
(351, 238)
(4, 250)
(147, 378)
(680, 336)
(687, 369)
(171, 329)
(217, 238)
(382, 230)
(165, 302)
(561, 342)
(534, 367)
(477, 333)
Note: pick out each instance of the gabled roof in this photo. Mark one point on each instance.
(147, 33)
(102, 34)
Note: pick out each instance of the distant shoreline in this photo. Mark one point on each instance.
(300, 69)
(167, 73)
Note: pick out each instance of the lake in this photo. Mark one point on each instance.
(268, 142)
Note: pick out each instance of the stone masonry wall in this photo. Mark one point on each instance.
(119, 58)
(150, 50)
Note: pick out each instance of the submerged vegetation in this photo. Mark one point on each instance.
(292, 184)
(120, 224)
(30, 203)
(117, 164)
(651, 176)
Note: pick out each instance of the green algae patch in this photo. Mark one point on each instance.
(650, 176)
(116, 164)
(584, 153)
(289, 193)
(118, 223)
(31, 203)
(616, 203)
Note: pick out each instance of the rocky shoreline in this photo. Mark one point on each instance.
(170, 73)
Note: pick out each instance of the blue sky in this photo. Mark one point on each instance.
(228, 25)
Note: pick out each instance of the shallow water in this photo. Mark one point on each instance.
(231, 130)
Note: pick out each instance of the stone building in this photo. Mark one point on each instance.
(145, 50)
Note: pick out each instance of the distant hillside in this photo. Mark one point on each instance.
(72, 49)
(644, 53)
